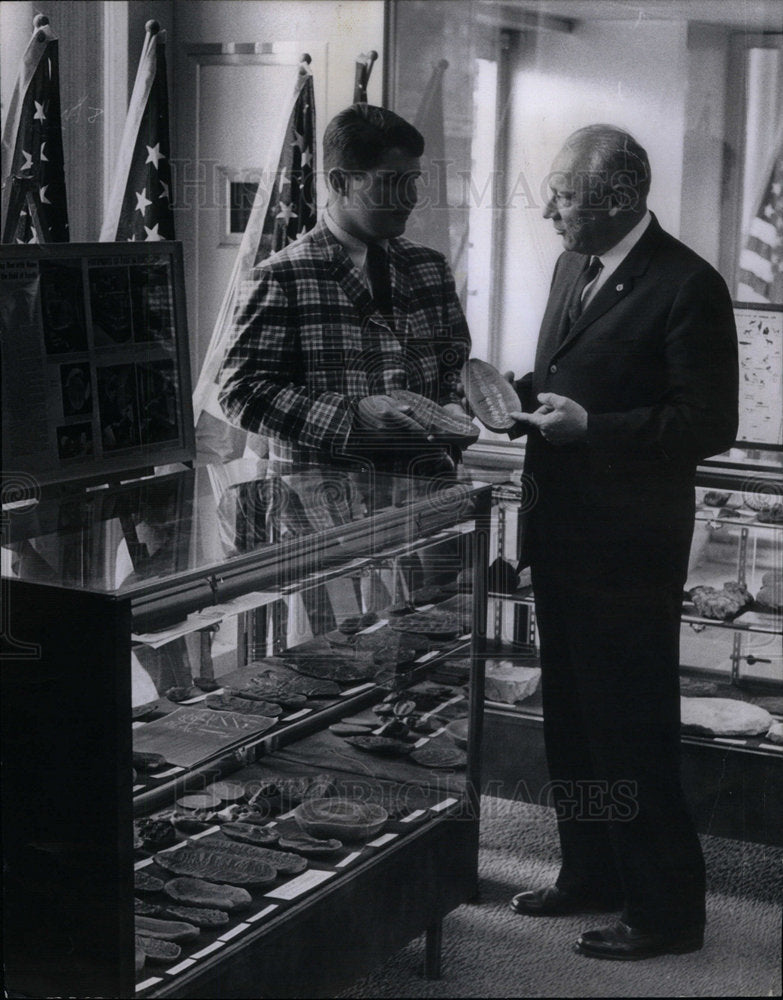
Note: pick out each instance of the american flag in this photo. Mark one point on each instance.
(291, 211)
(281, 212)
(140, 208)
(761, 260)
(34, 201)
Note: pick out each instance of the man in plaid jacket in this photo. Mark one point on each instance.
(348, 311)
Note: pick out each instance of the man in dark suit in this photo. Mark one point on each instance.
(635, 382)
(350, 310)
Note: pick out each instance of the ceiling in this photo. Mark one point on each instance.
(750, 15)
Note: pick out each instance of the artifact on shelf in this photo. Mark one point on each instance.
(775, 732)
(142, 882)
(770, 596)
(167, 930)
(192, 821)
(156, 949)
(154, 833)
(349, 729)
(315, 847)
(195, 891)
(771, 515)
(244, 706)
(723, 717)
(435, 623)
(458, 730)
(198, 915)
(440, 755)
(353, 623)
(716, 498)
(227, 791)
(502, 577)
(286, 791)
(216, 866)
(148, 761)
(249, 833)
(383, 746)
(721, 605)
(695, 687)
(179, 694)
(509, 682)
(284, 862)
(199, 800)
(340, 818)
(762, 501)
(143, 908)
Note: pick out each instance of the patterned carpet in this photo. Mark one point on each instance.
(488, 951)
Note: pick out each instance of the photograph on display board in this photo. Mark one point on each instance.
(158, 408)
(62, 306)
(74, 441)
(110, 302)
(118, 407)
(77, 390)
(153, 304)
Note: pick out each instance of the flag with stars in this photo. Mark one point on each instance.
(140, 208)
(283, 209)
(291, 210)
(34, 206)
(761, 259)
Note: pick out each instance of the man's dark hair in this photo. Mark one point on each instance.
(614, 162)
(360, 136)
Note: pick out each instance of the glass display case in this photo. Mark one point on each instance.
(732, 622)
(240, 730)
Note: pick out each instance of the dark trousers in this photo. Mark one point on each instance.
(610, 687)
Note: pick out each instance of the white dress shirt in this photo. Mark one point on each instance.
(613, 258)
(353, 246)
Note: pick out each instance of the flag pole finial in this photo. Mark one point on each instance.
(152, 27)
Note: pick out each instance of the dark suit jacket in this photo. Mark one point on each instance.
(653, 359)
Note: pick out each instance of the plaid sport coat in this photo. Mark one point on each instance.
(308, 342)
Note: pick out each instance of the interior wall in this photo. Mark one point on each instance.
(627, 73)
(336, 32)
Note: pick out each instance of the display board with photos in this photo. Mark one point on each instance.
(760, 342)
(96, 378)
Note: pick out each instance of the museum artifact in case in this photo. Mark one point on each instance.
(240, 730)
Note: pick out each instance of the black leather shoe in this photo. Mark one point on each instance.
(555, 902)
(624, 943)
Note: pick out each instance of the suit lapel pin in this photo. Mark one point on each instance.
(619, 288)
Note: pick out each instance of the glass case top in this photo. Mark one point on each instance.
(122, 539)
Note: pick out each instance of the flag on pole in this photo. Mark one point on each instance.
(34, 205)
(139, 208)
(290, 211)
(761, 259)
(430, 222)
(362, 77)
(282, 211)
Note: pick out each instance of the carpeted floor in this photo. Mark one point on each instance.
(488, 951)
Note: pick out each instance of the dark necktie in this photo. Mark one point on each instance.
(588, 274)
(380, 281)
